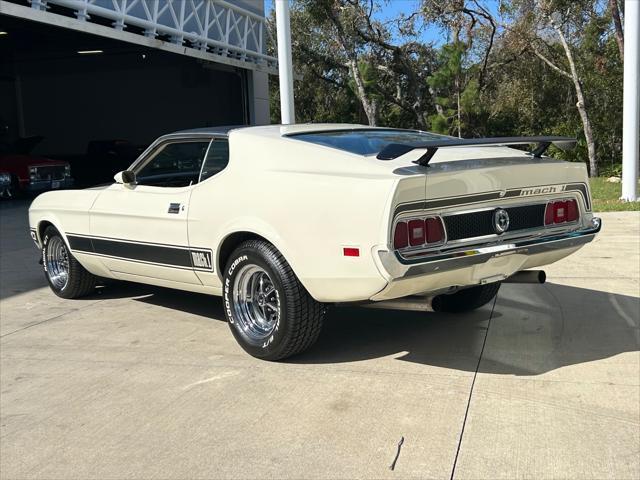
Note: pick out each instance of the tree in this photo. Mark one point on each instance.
(338, 42)
(322, 88)
(615, 16)
(446, 86)
(343, 17)
(544, 20)
(520, 67)
(457, 83)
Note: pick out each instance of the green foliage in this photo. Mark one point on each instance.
(446, 84)
(450, 88)
(322, 90)
(612, 170)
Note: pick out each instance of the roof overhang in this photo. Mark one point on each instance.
(229, 35)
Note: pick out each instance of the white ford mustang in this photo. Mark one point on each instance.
(283, 220)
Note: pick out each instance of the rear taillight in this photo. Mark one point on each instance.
(401, 236)
(572, 211)
(435, 230)
(561, 211)
(418, 232)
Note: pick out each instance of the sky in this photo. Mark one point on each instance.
(393, 8)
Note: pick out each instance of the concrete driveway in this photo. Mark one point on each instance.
(141, 382)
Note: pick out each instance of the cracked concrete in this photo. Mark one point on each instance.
(142, 382)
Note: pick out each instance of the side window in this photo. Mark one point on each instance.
(174, 165)
(217, 158)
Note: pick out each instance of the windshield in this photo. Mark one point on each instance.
(366, 141)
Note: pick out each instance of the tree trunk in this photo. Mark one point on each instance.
(370, 106)
(615, 15)
(581, 105)
(439, 109)
(588, 132)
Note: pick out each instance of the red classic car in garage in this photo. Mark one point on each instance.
(30, 173)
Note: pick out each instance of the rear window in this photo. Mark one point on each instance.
(366, 142)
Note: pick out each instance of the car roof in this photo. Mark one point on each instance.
(220, 130)
(275, 131)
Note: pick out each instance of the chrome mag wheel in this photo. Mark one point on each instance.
(57, 262)
(256, 304)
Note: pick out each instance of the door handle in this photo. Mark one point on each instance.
(174, 208)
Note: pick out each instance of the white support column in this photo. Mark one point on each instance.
(285, 64)
(631, 107)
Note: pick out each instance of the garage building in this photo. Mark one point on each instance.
(89, 72)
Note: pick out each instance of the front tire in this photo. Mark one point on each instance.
(270, 313)
(467, 299)
(66, 277)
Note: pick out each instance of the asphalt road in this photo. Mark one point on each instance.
(142, 382)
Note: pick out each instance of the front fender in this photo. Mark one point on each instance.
(37, 222)
(66, 210)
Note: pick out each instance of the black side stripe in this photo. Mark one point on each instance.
(446, 202)
(80, 243)
(582, 188)
(483, 197)
(172, 256)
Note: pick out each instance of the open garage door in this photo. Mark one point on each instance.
(88, 94)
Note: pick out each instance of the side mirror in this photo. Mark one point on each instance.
(126, 177)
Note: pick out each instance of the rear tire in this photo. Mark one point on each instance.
(270, 313)
(66, 277)
(467, 299)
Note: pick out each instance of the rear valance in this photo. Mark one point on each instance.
(395, 150)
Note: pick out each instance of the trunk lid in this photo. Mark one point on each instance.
(461, 176)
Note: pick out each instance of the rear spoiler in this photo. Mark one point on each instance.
(395, 150)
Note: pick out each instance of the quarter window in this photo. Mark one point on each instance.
(174, 165)
(217, 158)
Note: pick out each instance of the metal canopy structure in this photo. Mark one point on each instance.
(213, 30)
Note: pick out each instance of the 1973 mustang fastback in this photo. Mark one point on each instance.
(282, 221)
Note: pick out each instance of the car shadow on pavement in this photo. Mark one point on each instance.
(533, 329)
(205, 306)
(198, 303)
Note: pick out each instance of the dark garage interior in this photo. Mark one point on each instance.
(115, 93)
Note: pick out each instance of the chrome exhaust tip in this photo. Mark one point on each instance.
(527, 276)
(414, 303)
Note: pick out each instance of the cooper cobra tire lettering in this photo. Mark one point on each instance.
(44, 252)
(227, 287)
(235, 263)
(227, 302)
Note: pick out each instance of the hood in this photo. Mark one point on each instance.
(17, 160)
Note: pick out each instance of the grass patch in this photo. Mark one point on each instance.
(606, 197)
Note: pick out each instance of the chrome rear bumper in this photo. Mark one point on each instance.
(447, 260)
